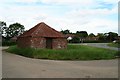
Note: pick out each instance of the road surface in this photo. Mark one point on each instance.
(100, 45)
(15, 66)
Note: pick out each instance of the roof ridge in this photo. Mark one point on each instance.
(38, 25)
(46, 26)
(43, 30)
(29, 30)
(52, 28)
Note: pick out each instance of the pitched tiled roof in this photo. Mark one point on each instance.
(42, 30)
(69, 35)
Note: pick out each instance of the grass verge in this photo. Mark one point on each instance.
(114, 45)
(73, 52)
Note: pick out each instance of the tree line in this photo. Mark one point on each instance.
(16, 29)
(82, 36)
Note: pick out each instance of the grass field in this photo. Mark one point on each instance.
(114, 45)
(73, 52)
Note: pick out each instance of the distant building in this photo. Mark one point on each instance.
(92, 38)
(69, 36)
(42, 36)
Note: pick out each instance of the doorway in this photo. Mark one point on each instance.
(49, 43)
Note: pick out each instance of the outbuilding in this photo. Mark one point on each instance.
(42, 36)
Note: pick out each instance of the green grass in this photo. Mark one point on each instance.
(114, 45)
(73, 52)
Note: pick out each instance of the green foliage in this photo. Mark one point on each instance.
(2, 23)
(27, 52)
(75, 40)
(15, 30)
(73, 52)
(109, 37)
(2, 27)
(112, 36)
(66, 31)
(8, 43)
(92, 41)
(118, 54)
(101, 36)
(82, 34)
(114, 45)
(91, 35)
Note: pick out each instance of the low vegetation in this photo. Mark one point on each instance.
(73, 52)
(8, 43)
(114, 45)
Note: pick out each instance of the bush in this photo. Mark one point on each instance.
(75, 40)
(118, 54)
(97, 41)
(117, 45)
(8, 43)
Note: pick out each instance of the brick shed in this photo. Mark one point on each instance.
(42, 36)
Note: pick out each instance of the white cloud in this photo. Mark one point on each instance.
(115, 9)
(75, 18)
(26, 1)
(111, 1)
(63, 1)
(102, 25)
(93, 12)
(21, 1)
(69, 1)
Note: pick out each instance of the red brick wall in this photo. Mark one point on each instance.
(23, 42)
(33, 42)
(59, 43)
(38, 42)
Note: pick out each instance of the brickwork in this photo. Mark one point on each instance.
(23, 42)
(59, 43)
(38, 42)
(42, 36)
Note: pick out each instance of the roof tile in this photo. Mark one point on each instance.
(42, 30)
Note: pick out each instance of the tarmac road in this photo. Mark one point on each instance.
(100, 45)
(15, 66)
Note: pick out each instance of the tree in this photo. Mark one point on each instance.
(91, 35)
(101, 36)
(112, 36)
(66, 31)
(75, 39)
(14, 30)
(3, 28)
(82, 34)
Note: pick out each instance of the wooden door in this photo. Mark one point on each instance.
(49, 43)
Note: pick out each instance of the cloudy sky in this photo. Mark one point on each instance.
(93, 16)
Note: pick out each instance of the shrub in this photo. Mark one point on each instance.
(8, 43)
(75, 40)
